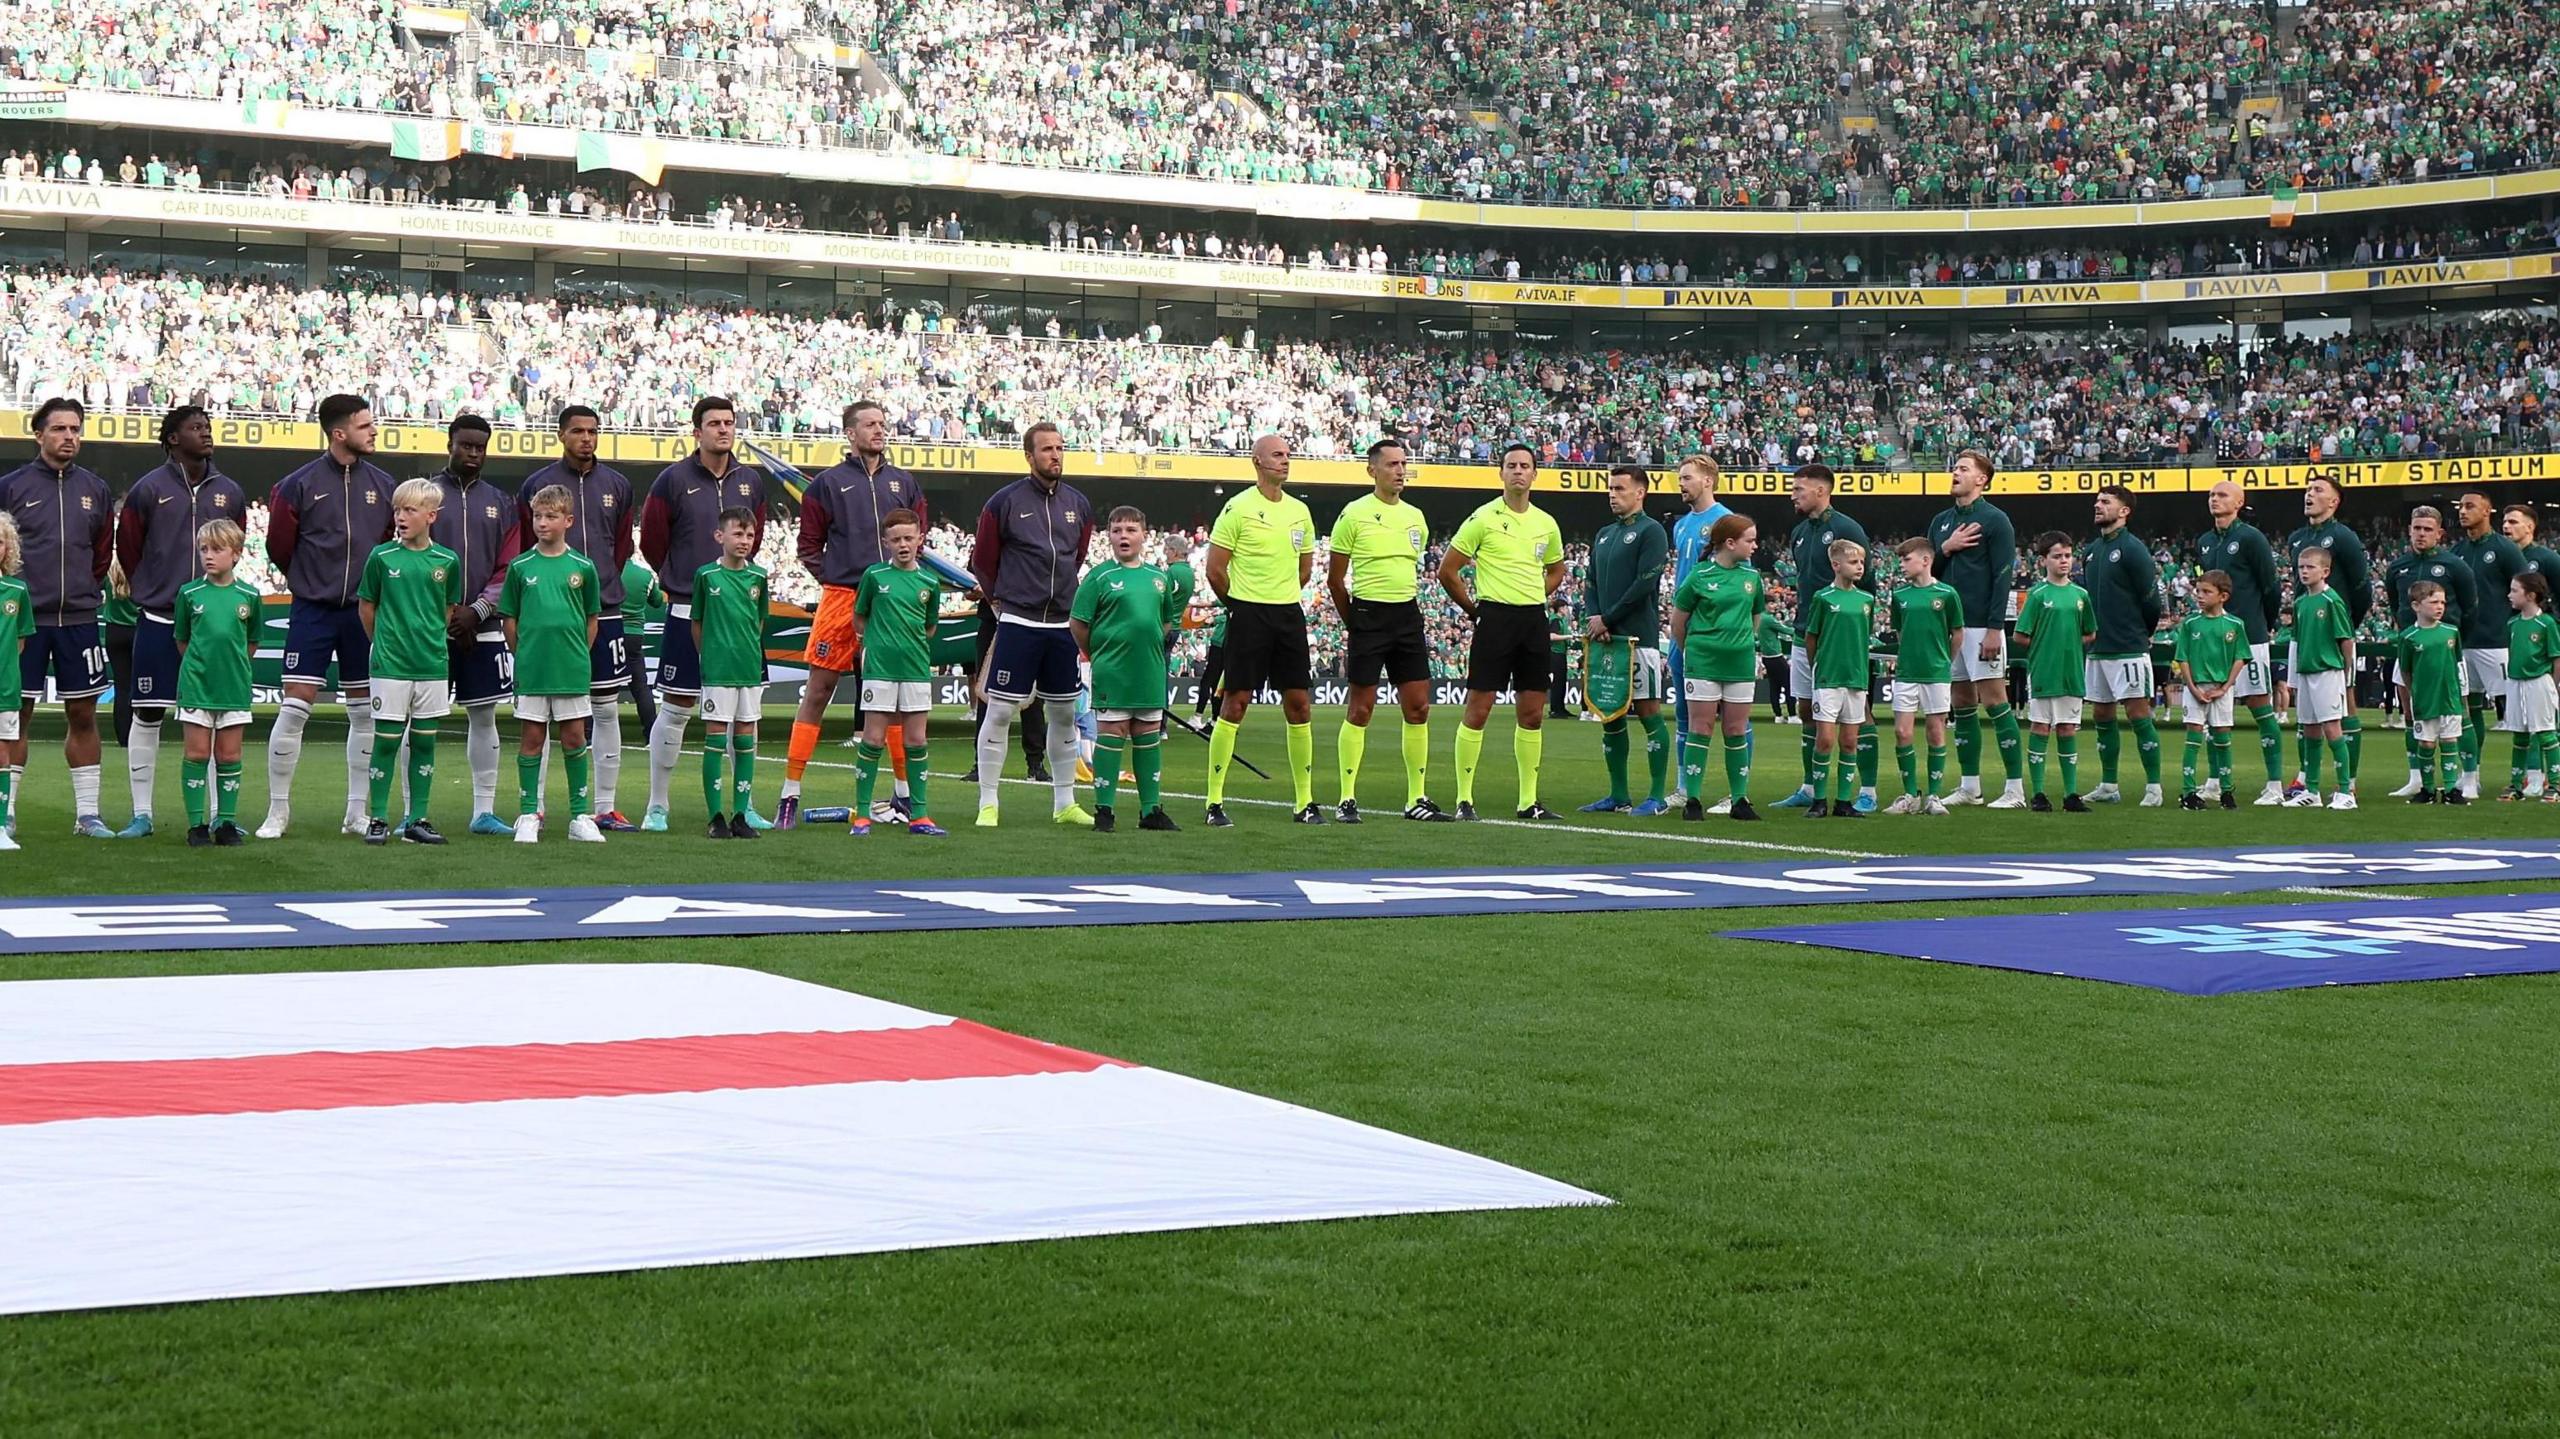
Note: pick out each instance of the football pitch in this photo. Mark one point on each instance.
(1854, 1194)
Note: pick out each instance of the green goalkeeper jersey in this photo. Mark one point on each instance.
(2056, 623)
(552, 598)
(2431, 664)
(1724, 603)
(217, 628)
(899, 609)
(1125, 609)
(729, 605)
(2210, 646)
(411, 591)
(1926, 621)
(1840, 629)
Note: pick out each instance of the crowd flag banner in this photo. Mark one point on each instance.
(632, 154)
(222, 1136)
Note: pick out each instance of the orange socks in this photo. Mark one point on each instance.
(804, 743)
(897, 749)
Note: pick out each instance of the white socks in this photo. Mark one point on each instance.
(1063, 749)
(666, 746)
(142, 761)
(604, 735)
(360, 754)
(481, 744)
(992, 736)
(84, 790)
(284, 750)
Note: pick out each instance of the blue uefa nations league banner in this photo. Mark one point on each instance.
(270, 921)
(2232, 950)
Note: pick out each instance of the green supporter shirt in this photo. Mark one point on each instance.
(1624, 586)
(1385, 544)
(2322, 630)
(1125, 610)
(1510, 550)
(899, 609)
(217, 630)
(2532, 644)
(2124, 586)
(1773, 635)
(2210, 647)
(1840, 628)
(642, 596)
(2056, 624)
(552, 598)
(1725, 605)
(2431, 660)
(17, 622)
(729, 605)
(1185, 585)
(1263, 539)
(411, 592)
(1926, 621)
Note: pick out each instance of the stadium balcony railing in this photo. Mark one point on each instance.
(883, 159)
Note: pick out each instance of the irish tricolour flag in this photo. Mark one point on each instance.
(229, 1135)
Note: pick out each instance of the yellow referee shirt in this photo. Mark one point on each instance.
(1511, 551)
(1384, 543)
(1263, 539)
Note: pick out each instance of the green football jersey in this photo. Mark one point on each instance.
(1724, 604)
(1774, 635)
(411, 592)
(115, 609)
(2431, 664)
(2210, 646)
(729, 605)
(642, 596)
(2322, 629)
(2056, 623)
(1840, 628)
(552, 598)
(1185, 585)
(1385, 544)
(1926, 621)
(2532, 644)
(898, 609)
(217, 631)
(1124, 609)
(17, 623)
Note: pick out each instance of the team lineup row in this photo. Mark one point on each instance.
(423, 597)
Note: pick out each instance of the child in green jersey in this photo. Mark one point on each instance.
(216, 619)
(1715, 615)
(895, 606)
(2430, 655)
(728, 633)
(1121, 615)
(2533, 700)
(551, 604)
(2055, 625)
(2324, 651)
(1928, 623)
(2206, 661)
(1840, 628)
(17, 623)
(409, 589)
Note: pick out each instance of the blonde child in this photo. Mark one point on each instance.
(216, 619)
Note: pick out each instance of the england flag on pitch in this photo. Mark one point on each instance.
(232, 1135)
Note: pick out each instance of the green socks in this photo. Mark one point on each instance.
(199, 791)
(2346, 773)
(1350, 746)
(2146, 740)
(2187, 758)
(742, 768)
(1613, 751)
(1818, 775)
(1109, 750)
(1968, 727)
(1870, 756)
(1657, 755)
(386, 758)
(2036, 744)
(1528, 749)
(1470, 753)
(866, 775)
(2354, 726)
(1937, 770)
(2220, 750)
(528, 783)
(2070, 751)
(2004, 729)
(1806, 752)
(1737, 764)
(714, 748)
(1146, 758)
(2110, 749)
(422, 771)
(1693, 766)
(226, 792)
(2310, 760)
(581, 778)
(1417, 762)
(1302, 764)
(1222, 753)
(2270, 741)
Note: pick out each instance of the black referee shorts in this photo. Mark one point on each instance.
(1385, 637)
(1510, 650)
(1266, 645)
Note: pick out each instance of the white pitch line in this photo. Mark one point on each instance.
(2326, 893)
(1571, 829)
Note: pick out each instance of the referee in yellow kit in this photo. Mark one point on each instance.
(1261, 552)
(1518, 554)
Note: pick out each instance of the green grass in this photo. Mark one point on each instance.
(1856, 1195)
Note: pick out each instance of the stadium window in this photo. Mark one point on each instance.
(379, 268)
(30, 247)
(485, 275)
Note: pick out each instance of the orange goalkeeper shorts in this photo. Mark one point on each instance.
(831, 643)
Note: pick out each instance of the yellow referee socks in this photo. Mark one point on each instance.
(1350, 746)
(1528, 747)
(1417, 762)
(1302, 764)
(1470, 750)
(1222, 753)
